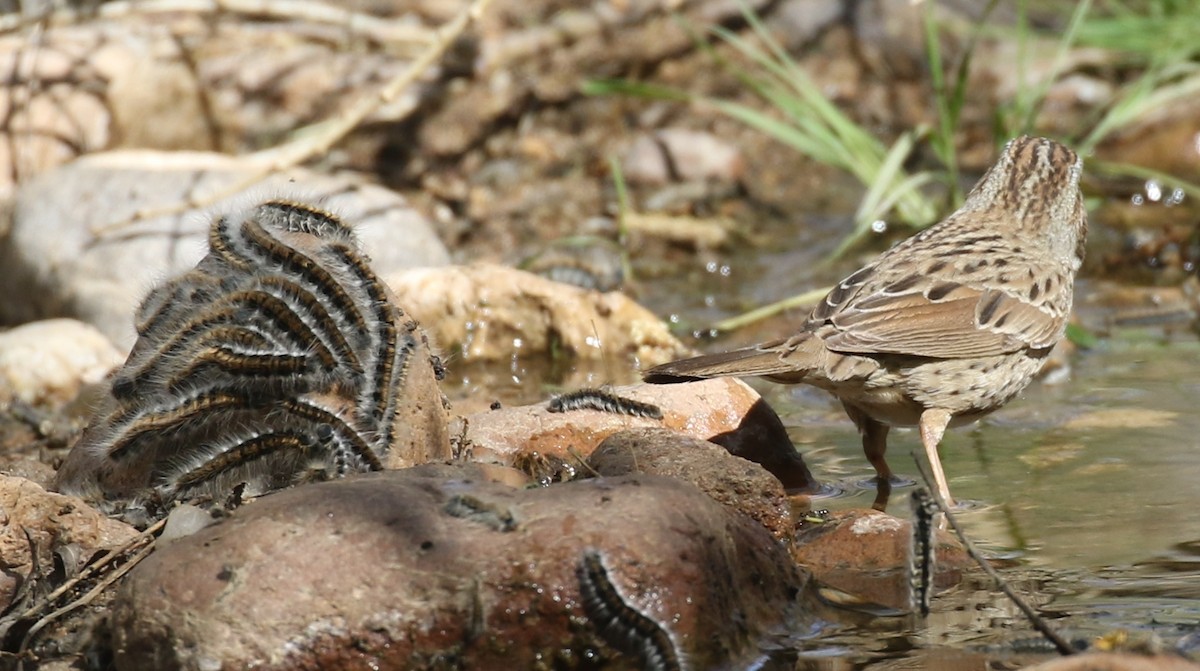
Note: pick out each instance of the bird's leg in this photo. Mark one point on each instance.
(933, 426)
(874, 440)
(874, 437)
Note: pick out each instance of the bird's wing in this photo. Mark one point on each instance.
(940, 319)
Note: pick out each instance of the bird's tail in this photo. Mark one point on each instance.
(747, 362)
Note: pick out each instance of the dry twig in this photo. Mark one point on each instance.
(144, 539)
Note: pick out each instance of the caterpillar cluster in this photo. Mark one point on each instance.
(279, 358)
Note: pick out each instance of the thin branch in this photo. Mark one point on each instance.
(318, 138)
(1038, 622)
(93, 568)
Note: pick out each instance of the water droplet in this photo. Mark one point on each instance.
(1153, 190)
(711, 266)
(1137, 200)
(725, 270)
(879, 226)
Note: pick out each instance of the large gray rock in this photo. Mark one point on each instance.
(56, 265)
(421, 569)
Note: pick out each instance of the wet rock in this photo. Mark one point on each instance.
(725, 411)
(734, 482)
(398, 571)
(492, 312)
(674, 154)
(47, 362)
(1116, 661)
(55, 265)
(864, 553)
(38, 523)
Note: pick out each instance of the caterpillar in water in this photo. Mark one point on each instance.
(922, 552)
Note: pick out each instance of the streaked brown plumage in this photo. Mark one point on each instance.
(948, 325)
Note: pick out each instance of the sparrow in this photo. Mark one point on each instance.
(946, 326)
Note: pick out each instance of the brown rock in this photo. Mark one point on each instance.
(396, 570)
(725, 411)
(493, 312)
(731, 481)
(864, 553)
(47, 521)
(1116, 661)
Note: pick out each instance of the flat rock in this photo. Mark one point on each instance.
(731, 481)
(491, 312)
(55, 265)
(48, 362)
(725, 411)
(40, 522)
(400, 570)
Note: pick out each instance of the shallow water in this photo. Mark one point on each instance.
(1091, 488)
(1102, 469)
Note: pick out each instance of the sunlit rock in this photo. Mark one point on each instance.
(398, 570)
(47, 362)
